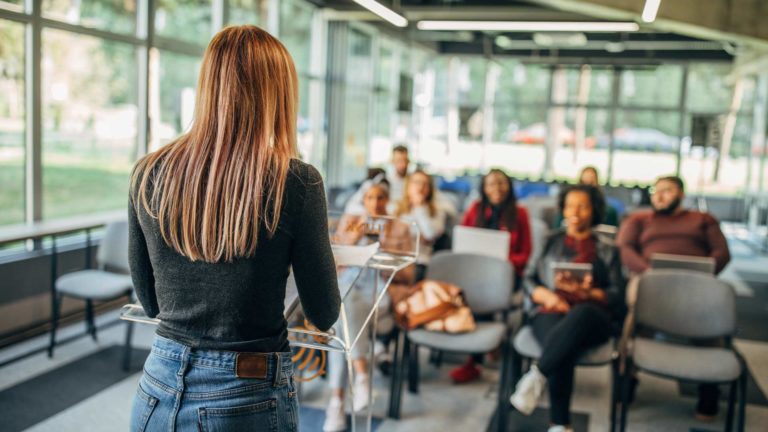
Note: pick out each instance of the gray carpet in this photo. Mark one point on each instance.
(538, 421)
(43, 396)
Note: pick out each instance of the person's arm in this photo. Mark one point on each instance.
(718, 245)
(520, 253)
(614, 294)
(628, 241)
(142, 273)
(313, 265)
(431, 227)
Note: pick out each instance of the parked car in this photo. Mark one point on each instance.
(537, 134)
(641, 139)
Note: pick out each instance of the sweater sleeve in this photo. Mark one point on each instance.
(628, 241)
(521, 252)
(313, 265)
(616, 291)
(471, 215)
(431, 227)
(718, 245)
(142, 273)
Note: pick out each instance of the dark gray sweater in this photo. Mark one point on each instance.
(238, 306)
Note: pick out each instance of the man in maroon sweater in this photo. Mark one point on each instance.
(671, 229)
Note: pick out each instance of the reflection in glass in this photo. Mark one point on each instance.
(645, 144)
(12, 125)
(659, 86)
(296, 31)
(89, 90)
(173, 81)
(244, 12)
(186, 20)
(117, 16)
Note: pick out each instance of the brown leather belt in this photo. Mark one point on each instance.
(252, 365)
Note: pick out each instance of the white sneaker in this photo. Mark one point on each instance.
(528, 391)
(335, 417)
(560, 428)
(361, 399)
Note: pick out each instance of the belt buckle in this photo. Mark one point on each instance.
(251, 365)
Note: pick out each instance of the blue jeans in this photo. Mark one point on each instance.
(187, 389)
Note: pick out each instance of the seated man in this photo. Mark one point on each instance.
(669, 228)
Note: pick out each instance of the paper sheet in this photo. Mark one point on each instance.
(354, 255)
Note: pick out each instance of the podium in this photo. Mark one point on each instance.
(369, 251)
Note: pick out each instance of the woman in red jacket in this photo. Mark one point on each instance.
(497, 209)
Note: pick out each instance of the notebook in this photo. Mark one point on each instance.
(481, 241)
(683, 262)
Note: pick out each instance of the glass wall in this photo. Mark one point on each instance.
(90, 113)
(633, 124)
(12, 124)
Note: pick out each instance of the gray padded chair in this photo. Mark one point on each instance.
(487, 285)
(527, 347)
(693, 306)
(109, 282)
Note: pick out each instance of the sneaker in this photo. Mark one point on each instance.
(361, 396)
(335, 417)
(708, 404)
(528, 391)
(560, 428)
(465, 373)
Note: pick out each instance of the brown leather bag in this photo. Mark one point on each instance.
(437, 303)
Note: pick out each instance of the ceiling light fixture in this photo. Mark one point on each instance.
(650, 10)
(384, 12)
(529, 26)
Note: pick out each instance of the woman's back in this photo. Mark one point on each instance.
(238, 305)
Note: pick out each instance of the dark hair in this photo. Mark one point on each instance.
(400, 149)
(509, 206)
(595, 198)
(673, 179)
(373, 172)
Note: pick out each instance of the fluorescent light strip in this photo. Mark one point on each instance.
(384, 12)
(650, 10)
(524, 26)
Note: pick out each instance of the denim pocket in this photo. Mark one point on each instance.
(260, 417)
(143, 406)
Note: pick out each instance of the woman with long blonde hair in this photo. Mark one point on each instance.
(217, 218)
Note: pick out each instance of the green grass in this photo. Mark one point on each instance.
(67, 191)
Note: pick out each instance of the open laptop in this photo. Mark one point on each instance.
(683, 262)
(481, 241)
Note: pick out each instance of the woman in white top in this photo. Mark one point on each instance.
(418, 205)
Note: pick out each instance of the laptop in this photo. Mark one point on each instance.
(481, 241)
(683, 262)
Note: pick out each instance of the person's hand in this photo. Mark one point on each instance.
(565, 281)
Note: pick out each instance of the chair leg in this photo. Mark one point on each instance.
(128, 348)
(396, 379)
(413, 369)
(502, 408)
(742, 399)
(90, 323)
(55, 309)
(615, 386)
(625, 390)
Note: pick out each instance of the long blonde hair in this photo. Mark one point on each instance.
(214, 187)
(404, 206)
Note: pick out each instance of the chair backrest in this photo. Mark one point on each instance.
(113, 250)
(686, 303)
(539, 231)
(486, 282)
